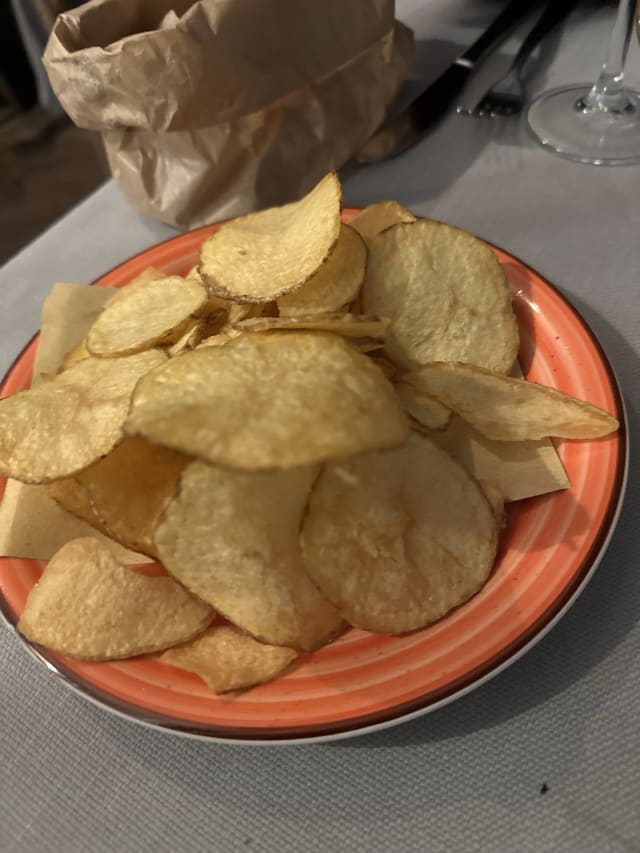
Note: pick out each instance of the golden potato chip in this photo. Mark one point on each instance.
(382, 363)
(70, 421)
(242, 310)
(231, 537)
(422, 407)
(77, 353)
(274, 400)
(220, 339)
(33, 526)
(67, 314)
(213, 320)
(395, 540)
(263, 255)
(518, 469)
(445, 294)
(225, 659)
(367, 345)
(496, 501)
(146, 314)
(148, 274)
(347, 325)
(129, 489)
(188, 340)
(506, 409)
(194, 274)
(377, 217)
(86, 605)
(335, 284)
(72, 496)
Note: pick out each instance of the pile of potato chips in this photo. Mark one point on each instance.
(277, 429)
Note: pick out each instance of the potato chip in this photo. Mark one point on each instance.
(146, 314)
(70, 421)
(335, 284)
(446, 296)
(86, 605)
(263, 255)
(188, 340)
(395, 540)
(226, 659)
(506, 409)
(347, 325)
(496, 501)
(274, 400)
(518, 469)
(194, 274)
(382, 363)
(231, 537)
(67, 315)
(367, 345)
(220, 339)
(129, 489)
(422, 407)
(148, 274)
(77, 353)
(72, 496)
(33, 526)
(212, 322)
(377, 217)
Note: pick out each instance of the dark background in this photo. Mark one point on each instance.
(46, 164)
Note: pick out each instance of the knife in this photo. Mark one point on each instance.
(402, 131)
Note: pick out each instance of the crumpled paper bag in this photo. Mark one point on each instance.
(212, 108)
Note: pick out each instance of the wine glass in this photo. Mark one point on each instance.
(597, 124)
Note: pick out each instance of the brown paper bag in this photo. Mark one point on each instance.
(212, 108)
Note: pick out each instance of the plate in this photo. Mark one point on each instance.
(364, 682)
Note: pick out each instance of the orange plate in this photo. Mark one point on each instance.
(364, 682)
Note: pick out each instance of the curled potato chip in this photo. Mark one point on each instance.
(274, 400)
(347, 325)
(129, 489)
(226, 659)
(189, 340)
(425, 409)
(445, 294)
(231, 537)
(86, 605)
(146, 314)
(397, 539)
(506, 409)
(377, 217)
(335, 284)
(70, 421)
(263, 255)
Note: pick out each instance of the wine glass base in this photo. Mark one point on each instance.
(599, 137)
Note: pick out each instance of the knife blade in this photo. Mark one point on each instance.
(402, 131)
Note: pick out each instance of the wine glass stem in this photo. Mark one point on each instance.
(607, 94)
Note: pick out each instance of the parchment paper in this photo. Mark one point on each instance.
(31, 523)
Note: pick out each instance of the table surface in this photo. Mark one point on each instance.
(545, 757)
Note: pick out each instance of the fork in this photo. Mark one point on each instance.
(507, 96)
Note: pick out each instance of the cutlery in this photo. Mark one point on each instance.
(402, 131)
(507, 95)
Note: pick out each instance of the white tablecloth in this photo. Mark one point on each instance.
(546, 757)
